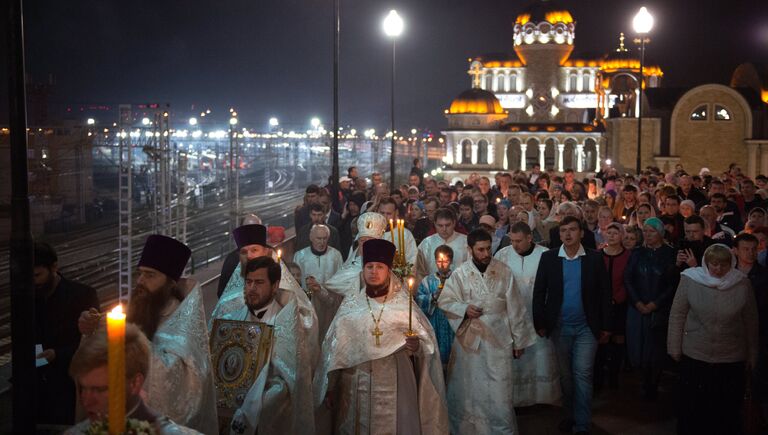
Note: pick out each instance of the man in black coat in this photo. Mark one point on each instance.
(571, 305)
(58, 304)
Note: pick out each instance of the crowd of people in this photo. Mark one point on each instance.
(537, 288)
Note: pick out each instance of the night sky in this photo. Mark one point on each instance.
(273, 57)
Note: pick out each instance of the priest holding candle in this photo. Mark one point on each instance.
(369, 346)
(115, 401)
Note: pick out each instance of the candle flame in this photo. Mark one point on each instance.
(279, 253)
(118, 310)
(410, 282)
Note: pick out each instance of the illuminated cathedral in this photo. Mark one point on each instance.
(544, 105)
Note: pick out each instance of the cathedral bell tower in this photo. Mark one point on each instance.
(543, 40)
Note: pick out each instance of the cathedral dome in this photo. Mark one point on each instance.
(545, 10)
(476, 102)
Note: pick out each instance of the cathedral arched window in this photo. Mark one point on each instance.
(586, 82)
(722, 113)
(512, 83)
(700, 113)
(573, 82)
(482, 152)
(489, 82)
(466, 151)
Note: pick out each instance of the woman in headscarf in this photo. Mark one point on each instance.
(713, 333)
(650, 284)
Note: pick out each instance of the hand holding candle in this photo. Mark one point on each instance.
(116, 369)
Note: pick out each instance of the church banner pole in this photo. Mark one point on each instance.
(21, 244)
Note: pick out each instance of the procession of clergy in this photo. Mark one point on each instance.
(351, 355)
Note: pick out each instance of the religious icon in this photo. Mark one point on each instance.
(239, 351)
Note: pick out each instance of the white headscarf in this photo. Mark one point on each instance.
(702, 276)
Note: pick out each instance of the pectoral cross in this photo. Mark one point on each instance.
(376, 334)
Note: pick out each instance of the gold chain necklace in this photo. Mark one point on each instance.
(376, 331)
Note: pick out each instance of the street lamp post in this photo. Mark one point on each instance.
(642, 23)
(393, 27)
(335, 137)
(233, 182)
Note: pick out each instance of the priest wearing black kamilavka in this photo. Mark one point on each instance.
(169, 310)
(376, 376)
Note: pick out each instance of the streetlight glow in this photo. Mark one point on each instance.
(273, 122)
(643, 21)
(233, 121)
(393, 24)
(315, 122)
(145, 121)
(90, 121)
(193, 121)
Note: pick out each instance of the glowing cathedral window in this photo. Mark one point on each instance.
(722, 114)
(700, 113)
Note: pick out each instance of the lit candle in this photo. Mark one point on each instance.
(410, 306)
(402, 241)
(498, 200)
(116, 369)
(392, 230)
(279, 255)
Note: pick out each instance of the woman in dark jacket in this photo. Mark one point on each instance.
(650, 284)
(616, 259)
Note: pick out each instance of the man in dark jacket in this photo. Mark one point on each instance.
(571, 305)
(58, 304)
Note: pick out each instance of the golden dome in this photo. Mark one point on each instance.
(476, 102)
(545, 10)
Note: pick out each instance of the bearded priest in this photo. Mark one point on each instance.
(280, 401)
(169, 311)
(493, 327)
(375, 376)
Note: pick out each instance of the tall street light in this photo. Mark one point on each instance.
(393, 27)
(335, 137)
(642, 23)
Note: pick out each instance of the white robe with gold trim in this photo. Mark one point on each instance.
(376, 389)
(480, 381)
(283, 403)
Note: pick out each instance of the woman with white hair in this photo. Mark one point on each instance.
(713, 333)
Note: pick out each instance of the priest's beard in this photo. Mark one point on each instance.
(145, 306)
(378, 290)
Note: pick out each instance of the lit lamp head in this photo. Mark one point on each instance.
(393, 24)
(643, 21)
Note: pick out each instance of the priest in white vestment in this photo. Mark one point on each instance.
(445, 225)
(280, 401)
(492, 329)
(374, 377)
(388, 208)
(251, 240)
(169, 310)
(535, 374)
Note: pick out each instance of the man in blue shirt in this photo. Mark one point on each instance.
(571, 305)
